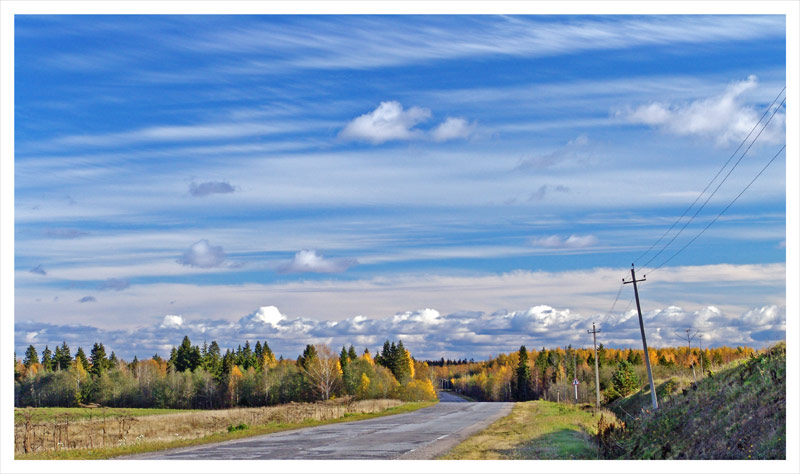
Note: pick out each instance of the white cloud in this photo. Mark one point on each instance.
(388, 122)
(203, 255)
(452, 128)
(571, 242)
(429, 334)
(265, 315)
(724, 118)
(309, 261)
(172, 321)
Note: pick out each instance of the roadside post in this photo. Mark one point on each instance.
(575, 383)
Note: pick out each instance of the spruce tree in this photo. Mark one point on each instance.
(187, 357)
(99, 361)
(31, 357)
(523, 377)
(309, 354)
(80, 358)
(62, 358)
(351, 353)
(47, 358)
(402, 363)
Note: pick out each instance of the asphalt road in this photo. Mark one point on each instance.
(422, 434)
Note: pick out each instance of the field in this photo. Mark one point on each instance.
(536, 430)
(48, 433)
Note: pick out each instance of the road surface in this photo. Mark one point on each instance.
(422, 434)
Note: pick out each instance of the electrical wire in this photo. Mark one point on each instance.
(721, 212)
(712, 179)
(715, 190)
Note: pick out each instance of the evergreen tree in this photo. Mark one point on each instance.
(187, 357)
(624, 379)
(212, 361)
(134, 364)
(523, 377)
(351, 353)
(248, 358)
(403, 365)
(228, 362)
(343, 359)
(62, 358)
(99, 361)
(309, 354)
(80, 358)
(30, 357)
(258, 354)
(112, 360)
(47, 358)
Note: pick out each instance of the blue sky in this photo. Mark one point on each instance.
(465, 183)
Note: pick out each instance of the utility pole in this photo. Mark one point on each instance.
(653, 397)
(688, 339)
(594, 332)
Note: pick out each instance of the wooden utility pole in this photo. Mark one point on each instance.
(594, 332)
(688, 340)
(653, 397)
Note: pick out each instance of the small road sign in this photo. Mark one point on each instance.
(575, 382)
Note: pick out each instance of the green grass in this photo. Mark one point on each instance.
(107, 453)
(535, 430)
(41, 415)
(738, 412)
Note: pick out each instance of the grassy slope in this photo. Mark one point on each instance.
(107, 453)
(737, 413)
(534, 430)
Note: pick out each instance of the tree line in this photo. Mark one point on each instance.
(203, 377)
(549, 373)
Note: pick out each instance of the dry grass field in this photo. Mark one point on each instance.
(69, 435)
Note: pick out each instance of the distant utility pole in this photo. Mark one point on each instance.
(594, 332)
(653, 397)
(688, 339)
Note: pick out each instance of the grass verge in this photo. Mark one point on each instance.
(535, 430)
(272, 427)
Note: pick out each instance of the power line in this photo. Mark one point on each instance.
(721, 212)
(715, 189)
(712, 179)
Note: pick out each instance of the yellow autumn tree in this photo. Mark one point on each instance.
(363, 387)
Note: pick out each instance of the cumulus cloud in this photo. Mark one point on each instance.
(210, 187)
(87, 299)
(116, 284)
(309, 261)
(203, 255)
(429, 334)
(172, 321)
(38, 270)
(388, 122)
(571, 242)
(724, 118)
(264, 315)
(452, 128)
